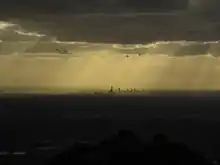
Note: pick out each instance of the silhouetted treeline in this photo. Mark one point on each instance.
(93, 5)
(127, 148)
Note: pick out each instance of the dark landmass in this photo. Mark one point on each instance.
(62, 119)
(125, 147)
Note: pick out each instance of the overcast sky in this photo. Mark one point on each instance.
(95, 4)
(105, 5)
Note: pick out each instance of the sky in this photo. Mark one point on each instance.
(85, 71)
(105, 6)
(205, 4)
(93, 5)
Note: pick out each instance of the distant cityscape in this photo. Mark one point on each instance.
(127, 90)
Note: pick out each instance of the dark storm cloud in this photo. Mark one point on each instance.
(105, 6)
(93, 5)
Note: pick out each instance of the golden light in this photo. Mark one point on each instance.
(97, 70)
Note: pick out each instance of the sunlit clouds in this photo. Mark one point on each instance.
(31, 60)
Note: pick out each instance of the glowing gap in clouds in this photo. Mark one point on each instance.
(5, 25)
(95, 72)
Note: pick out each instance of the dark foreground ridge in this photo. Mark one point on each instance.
(125, 147)
(29, 123)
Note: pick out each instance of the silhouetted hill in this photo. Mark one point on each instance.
(125, 148)
(61, 120)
